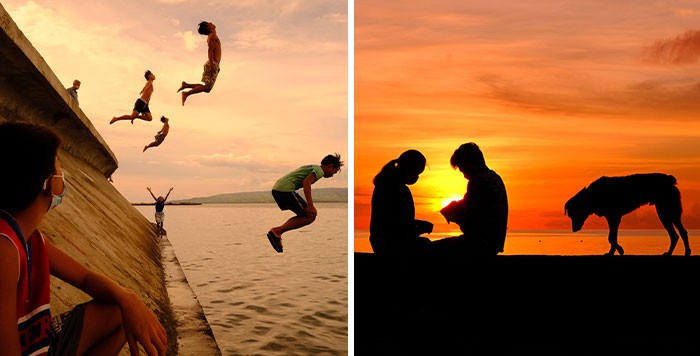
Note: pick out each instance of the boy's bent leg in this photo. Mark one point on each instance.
(293, 223)
(86, 328)
(102, 330)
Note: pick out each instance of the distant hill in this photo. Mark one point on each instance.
(321, 195)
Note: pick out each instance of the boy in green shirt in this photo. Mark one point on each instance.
(284, 192)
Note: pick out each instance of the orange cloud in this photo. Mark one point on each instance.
(681, 50)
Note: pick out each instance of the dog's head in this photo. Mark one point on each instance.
(578, 208)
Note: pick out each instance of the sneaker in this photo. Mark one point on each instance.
(275, 241)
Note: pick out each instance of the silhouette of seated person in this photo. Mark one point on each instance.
(394, 230)
(482, 215)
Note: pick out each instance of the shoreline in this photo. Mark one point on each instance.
(194, 335)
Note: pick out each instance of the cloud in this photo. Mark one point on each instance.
(233, 161)
(260, 35)
(190, 39)
(683, 49)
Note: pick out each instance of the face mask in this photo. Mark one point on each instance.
(56, 199)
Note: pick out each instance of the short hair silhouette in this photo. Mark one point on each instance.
(29, 151)
(203, 29)
(468, 156)
(333, 160)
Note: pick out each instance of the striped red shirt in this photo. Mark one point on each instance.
(33, 288)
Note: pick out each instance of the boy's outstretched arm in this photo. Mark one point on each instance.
(167, 195)
(140, 324)
(310, 208)
(9, 273)
(149, 190)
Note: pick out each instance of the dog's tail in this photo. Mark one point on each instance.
(674, 194)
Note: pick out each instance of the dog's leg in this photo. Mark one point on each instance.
(668, 225)
(670, 217)
(684, 235)
(613, 225)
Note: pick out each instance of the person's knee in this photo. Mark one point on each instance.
(108, 315)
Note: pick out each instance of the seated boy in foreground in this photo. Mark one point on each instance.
(34, 184)
(284, 192)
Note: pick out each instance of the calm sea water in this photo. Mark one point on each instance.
(567, 243)
(259, 302)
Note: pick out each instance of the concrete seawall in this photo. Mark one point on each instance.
(95, 224)
(527, 305)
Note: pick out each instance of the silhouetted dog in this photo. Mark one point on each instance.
(613, 197)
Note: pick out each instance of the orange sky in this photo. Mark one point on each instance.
(281, 98)
(556, 94)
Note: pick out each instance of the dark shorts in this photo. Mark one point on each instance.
(290, 201)
(66, 329)
(159, 138)
(141, 106)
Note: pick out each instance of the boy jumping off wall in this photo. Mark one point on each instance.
(284, 192)
(141, 109)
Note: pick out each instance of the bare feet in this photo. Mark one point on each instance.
(114, 119)
(144, 148)
(184, 97)
(182, 86)
(132, 121)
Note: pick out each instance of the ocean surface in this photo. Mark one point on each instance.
(567, 243)
(259, 302)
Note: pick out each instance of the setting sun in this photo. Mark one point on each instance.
(447, 201)
(548, 121)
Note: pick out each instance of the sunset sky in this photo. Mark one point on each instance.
(280, 101)
(556, 94)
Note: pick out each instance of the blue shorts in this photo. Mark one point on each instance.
(290, 201)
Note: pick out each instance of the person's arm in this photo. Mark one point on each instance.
(310, 209)
(140, 324)
(154, 197)
(423, 227)
(9, 273)
(167, 195)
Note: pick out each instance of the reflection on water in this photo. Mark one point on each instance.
(259, 302)
(567, 243)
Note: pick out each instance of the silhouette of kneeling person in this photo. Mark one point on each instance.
(394, 230)
(483, 213)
